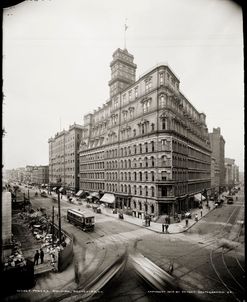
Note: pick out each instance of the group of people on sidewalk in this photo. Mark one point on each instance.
(39, 255)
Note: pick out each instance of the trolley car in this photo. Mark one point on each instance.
(82, 219)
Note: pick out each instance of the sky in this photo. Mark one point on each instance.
(57, 54)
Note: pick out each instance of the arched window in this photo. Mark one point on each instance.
(129, 176)
(134, 204)
(146, 175)
(152, 208)
(134, 175)
(121, 188)
(146, 161)
(152, 146)
(164, 123)
(140, 206)
(129, 189)
(125, 176)
(125, 188)
(152, 161)
(146, 147)
(140, 148)
(152, 175)
(134, 189)
(134, 149)
(146, 190)
(129, 163)
(152, 191)
(140, 190)
(140, 176)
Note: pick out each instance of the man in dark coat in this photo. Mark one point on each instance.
(36, 258)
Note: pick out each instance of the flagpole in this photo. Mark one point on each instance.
(125, 29)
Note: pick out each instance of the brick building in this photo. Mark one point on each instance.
(147, 145)
(40, 175)
(64, 158)
(217, 143)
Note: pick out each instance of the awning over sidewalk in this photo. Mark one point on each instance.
(94, 194)
(108, 198)
(79, 193)
(199, 197)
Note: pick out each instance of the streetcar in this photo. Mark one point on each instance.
(84, 220)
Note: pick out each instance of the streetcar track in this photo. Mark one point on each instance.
(230, 273)
(232, 217)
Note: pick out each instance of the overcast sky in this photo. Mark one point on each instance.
(57, 55)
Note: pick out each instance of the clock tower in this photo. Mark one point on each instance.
(123, 71)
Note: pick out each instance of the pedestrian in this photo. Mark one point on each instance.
(196, 217)
(201, 213)
(163, 227)
(42, 256)
(36, 258)
(167, 226)
(186, 222)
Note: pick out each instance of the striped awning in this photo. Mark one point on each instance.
(79, 193)
(108, 198)
(199, 197)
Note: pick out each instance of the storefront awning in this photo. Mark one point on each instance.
(95, 194)
(79, 193)
(54, 189)
(199, 197)
(108, 198)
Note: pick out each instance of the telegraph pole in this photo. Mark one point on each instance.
(52, 226)
(59, 217)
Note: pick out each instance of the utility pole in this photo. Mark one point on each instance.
(59, 217)
(28, 195)
(52, 226)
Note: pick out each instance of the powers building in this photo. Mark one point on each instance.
(147, 147)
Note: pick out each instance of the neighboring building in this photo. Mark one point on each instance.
(29, 174)
(40, 175)
(232, 172)
(217, 143)
(6, 221)
(229, 166)
(215, 176)
(241, 177)
(64, 158)
(148, 146)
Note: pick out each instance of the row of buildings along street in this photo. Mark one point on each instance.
(146, 155)
(147, 146)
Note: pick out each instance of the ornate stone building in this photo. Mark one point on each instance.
(64, 158)
(147, 144)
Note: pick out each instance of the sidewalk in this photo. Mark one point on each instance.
(174, 228)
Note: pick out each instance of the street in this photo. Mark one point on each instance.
(205, 259)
